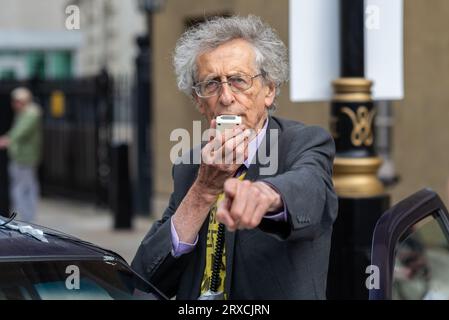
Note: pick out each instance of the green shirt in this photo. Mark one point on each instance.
(26, 137)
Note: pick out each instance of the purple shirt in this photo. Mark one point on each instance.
(179, 248)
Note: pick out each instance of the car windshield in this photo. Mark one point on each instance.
(72, 280)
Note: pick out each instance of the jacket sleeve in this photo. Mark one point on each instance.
(153, 259)
(305, 184)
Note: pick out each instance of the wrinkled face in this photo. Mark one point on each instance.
(233, 58)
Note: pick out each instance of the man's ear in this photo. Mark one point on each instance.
(199, 104)
(270, 93)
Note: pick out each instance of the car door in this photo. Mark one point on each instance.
(410, 250)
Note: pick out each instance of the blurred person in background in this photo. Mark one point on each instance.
(23, 142)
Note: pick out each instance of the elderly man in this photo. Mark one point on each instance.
(24, 149)
(231, 231)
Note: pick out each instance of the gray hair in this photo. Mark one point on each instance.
(271, 53)
(22, 94)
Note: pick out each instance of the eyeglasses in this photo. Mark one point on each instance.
(238, 83)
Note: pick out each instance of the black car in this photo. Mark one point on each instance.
(38, 263)
(409, 259)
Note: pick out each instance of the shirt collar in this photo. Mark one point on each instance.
(254, 144)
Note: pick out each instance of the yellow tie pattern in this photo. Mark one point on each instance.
(211, 247)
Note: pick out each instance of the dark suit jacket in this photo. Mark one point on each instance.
(277, 260)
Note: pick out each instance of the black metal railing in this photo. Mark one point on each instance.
(77, 119)
(84, 121)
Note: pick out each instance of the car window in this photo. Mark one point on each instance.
(61, 280)
(57, 290)
(421, 262)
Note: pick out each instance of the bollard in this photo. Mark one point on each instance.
(120, 188)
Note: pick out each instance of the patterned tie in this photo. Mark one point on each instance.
(215, 246)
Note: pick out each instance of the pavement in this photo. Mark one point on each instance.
(93, 224)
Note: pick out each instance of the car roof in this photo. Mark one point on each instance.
(14, 244)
